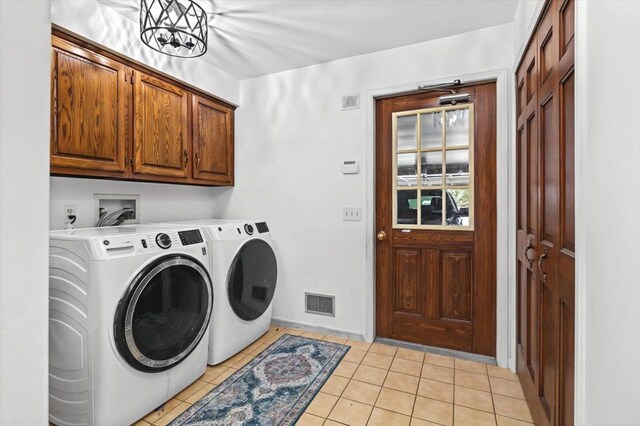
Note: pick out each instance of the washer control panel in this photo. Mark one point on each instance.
(163, 240)
(262, 227)
(124, 245)
(232, 230)
(192, 236)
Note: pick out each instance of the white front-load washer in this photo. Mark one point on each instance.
(244, 272)
(128, 309)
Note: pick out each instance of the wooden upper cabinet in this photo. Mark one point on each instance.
(161, 128)
(114, 118)
(89, 113)
(212, 141)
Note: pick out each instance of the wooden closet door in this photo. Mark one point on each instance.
(546, 237)
(527, 218)
(89, 113)
(212, 141)
(548, 210)
(161, 128)
(566, 237)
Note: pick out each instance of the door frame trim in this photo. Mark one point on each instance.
(506, 208)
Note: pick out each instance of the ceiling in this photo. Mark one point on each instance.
(249, 38)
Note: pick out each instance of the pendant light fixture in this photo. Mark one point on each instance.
(174, 27)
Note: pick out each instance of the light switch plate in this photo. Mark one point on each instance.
(349, 167)
(351, 214)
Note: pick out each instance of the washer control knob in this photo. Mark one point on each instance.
(248, 229)
(163, 241)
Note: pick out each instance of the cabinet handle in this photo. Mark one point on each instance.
(197, 159)
(186, 158)
(55, 102)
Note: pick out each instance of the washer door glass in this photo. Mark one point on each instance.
(164, 314)
(252, 279)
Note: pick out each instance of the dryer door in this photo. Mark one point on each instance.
(252, 279)
(164, 313)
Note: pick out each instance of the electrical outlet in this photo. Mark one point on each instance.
(70, 209)
(352, 214)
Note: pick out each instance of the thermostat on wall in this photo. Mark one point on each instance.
(349, 167)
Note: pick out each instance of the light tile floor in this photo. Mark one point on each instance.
(378, 384)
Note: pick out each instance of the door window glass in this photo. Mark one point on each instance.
(406, 132)
(443, 176)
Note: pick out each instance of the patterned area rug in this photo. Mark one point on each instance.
(273, 389)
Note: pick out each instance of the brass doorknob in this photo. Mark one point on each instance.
(382, 236)
(526, 253)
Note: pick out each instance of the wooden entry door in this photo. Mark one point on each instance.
(545, 219)
(436, 220)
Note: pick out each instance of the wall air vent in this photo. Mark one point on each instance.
(350, 102)
(320, 304)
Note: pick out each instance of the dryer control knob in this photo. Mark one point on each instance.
(163, 240)
(248, 229)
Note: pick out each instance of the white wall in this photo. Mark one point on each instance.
(291, 138)
(24, 192)
(608, 202)
(524, 21)
(94, 21)
(103, 25)
(159, 202)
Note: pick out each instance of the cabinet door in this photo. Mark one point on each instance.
(160, 140)
(212, 141)
(89, 112)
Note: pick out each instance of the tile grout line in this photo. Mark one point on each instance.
(381, 385)
(379, 392)
(493, 403)
(453, 414)
(417, 389)
(351, 379)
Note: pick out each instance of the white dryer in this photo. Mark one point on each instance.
(128, 307)
(244, 272)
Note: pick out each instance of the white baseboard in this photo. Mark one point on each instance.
(318, 329)
(360, 337)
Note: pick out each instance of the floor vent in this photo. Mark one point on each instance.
(320, 304)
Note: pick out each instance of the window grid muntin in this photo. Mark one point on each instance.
(444, 149)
